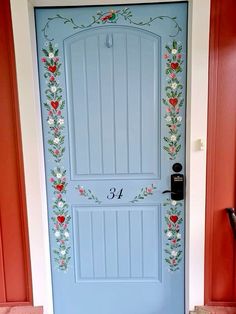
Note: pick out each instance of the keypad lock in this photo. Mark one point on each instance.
(177, 184)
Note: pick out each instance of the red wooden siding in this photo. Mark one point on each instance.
(220, 261)
(15, 277)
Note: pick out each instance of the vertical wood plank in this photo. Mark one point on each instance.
(220, 279)
(15, 246)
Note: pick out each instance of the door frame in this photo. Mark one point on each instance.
(196, 134)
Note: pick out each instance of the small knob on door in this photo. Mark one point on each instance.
(232, 219)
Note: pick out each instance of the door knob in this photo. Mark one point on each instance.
(232, 219)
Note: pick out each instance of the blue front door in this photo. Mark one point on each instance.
(112, 85)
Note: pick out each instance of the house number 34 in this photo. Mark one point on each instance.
(114, 193)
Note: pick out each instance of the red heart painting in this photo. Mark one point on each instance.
(173, 101)
(174, 65)
(174, 218)
(59, 187)
(54, 104)
(52, 68)
(61, 219)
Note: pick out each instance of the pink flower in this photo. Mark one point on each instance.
(172, 75)
(149, 189)
(65, 226)
(50, 113)
(173, 127)
(63, 179)
(51, 180)
(62, 262)
(52, 78)
(81, 190)
(56, 130)
(173, 241)
(62, 241)
(56, 152)
(168, 109)
(179, 56)
(177, 110)
(166, 56)
(59, 195)
(173, 261)
(55, 59)
(172, 149)
(43, 59)
(56, 226)
(169, 225)
(59, 112)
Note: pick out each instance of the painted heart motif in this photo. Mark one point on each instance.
(61, 219)
(173, 101)
(52, 68)
(174, 218)
(174, 65)
(54, 104)
(60, 187)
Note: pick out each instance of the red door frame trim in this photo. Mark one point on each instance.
(213, 102)
(8, 64)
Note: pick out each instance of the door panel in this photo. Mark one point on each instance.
(123, 128)
(113, 123)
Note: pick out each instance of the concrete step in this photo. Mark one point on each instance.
(21, 310)
(215, 310)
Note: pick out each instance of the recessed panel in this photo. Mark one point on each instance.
(113, 99)
(119, 243)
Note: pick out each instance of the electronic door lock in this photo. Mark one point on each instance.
(177, 184)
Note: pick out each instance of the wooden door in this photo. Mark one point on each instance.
(112, 89)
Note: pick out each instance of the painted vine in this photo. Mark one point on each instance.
(111, 16)
(54, 105)
(173, 100)
(144, 192)
(173, 219)
(88, 194)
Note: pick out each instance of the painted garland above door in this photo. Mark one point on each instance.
(112, 85)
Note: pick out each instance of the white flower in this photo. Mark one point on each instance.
(174, 253)
(53, 89)
(51, 55)
(60, 204)
(168, 118)
(57, 234)
(179, 118)
(59, 175)
(169, 234)
(174, 51)
(173, 203)
(63, 252)
(173, 138)
(61, 121)
(178, 235)
(66, 234)
(50, 121)
(56, 140)
(174, 85)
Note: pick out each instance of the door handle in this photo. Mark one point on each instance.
(177, 187)
(232, 219)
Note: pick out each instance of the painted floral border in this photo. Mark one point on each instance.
(110, 17)
(173, 100)
(54, 105)
(144, 192)
(173, 220)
